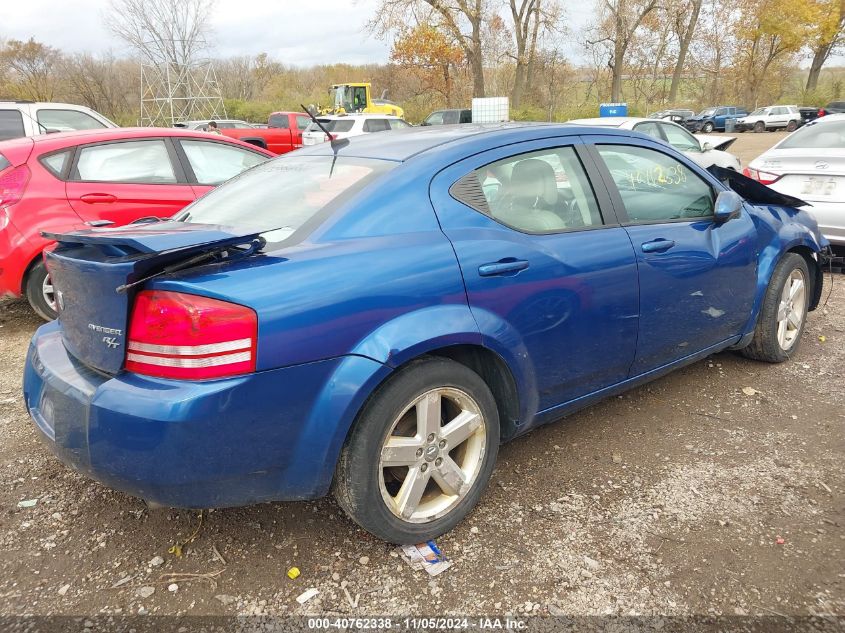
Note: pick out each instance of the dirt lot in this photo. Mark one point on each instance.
(685, 496)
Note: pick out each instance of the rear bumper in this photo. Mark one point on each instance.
(218, 443)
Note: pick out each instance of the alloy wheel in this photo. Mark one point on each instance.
(792, 309)
(48, 292)
(432, 455)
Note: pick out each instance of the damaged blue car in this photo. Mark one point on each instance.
(374, 317)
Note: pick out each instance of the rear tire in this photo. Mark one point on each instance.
(783, 314)
(791, 126)
(402, 443)
(39, 292)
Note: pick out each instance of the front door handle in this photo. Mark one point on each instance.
(659, 245)
(507, 266)
(98, 198)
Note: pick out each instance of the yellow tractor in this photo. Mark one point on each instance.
(354, 98)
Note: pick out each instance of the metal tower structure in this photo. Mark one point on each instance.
(172, 92)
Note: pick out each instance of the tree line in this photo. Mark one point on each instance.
(652, 54)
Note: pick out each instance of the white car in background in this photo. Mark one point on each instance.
(786, 117)
(810, 164)
(347, 125)
(703, 149)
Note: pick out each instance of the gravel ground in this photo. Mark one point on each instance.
(685, 496)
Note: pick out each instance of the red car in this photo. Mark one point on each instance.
(61, 181)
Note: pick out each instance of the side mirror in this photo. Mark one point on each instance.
(728, 206)
(707, 146)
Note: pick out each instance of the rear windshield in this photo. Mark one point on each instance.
(280, 196)
(823, 135)
(333, 125)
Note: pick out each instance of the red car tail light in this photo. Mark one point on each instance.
(189, 337)
(13, 182)
(763, 177)
(822, 112)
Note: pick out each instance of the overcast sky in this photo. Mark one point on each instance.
(298, 33)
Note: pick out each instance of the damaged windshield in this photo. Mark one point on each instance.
(280, 196)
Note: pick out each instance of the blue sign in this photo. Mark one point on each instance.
(613, 109)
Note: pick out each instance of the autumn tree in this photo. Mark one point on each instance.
(531, 18)
(685, 19)
(774, 31)
(31, 68)
(461, 20)
(432, 57)
(825, 37)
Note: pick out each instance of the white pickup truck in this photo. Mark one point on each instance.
(28, 118)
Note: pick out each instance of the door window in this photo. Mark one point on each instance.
(680, 139)
(214, 163)
(67, 120)
(541, 192)
(280, 121)
(435, 118)
(133, 161)
(655, 187)
(11, 124)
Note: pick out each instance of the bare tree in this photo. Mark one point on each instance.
(829, 36)
(162, 31)
(619, 21)
(685, 30)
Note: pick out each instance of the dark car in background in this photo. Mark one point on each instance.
(448, 117)
(714, 119)
(834, 107)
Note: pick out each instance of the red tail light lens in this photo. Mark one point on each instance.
(822, 112)
(189, 337)
(12, 185)
(763, 177)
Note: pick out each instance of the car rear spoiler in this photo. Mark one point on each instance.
(752, 190)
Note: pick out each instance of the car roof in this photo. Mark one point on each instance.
(466, 138)
(49, 142)
(610, 121)
(363, 115)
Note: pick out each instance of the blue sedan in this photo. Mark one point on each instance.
(375, 317)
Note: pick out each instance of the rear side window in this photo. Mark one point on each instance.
(655, 187)
(214, 163)
(333, 125)
(398, 124)
(67, 120)
(376, 125)
(11, 124)
(144, 162)
(279, 121)
(4, 163)
(56, 163)
(540, 192)
(680, 139)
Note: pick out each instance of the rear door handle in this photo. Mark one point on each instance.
(658, 246)
(98, 198)
(507, 266)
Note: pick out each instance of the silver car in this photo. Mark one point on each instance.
(810, 164)
(704, 150)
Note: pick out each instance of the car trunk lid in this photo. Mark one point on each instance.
(96, 272)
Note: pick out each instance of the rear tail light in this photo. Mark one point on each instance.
(12, 185)
(763, 177)
(822, 112)
(189, 337)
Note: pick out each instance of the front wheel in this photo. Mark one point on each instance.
(40, 293)
(707, 127)
(759, 127)
(783, 313)
(420, 453)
